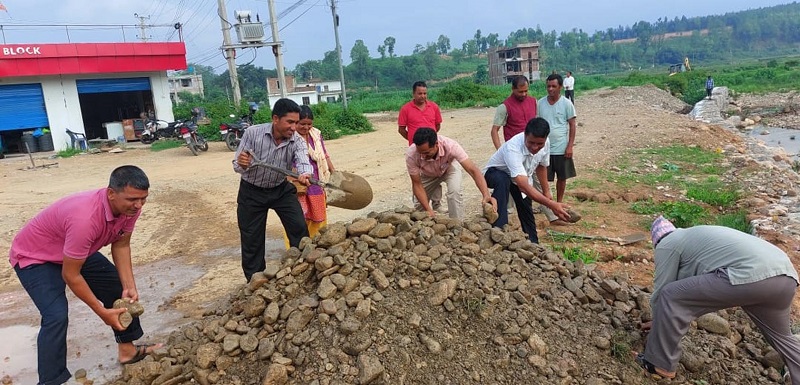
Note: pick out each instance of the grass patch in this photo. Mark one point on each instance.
(162, 145)
(474, 305)
(621, 346)
(682, 214)
(68, 153)
(737, 220)
(714, 192)
(576, 253)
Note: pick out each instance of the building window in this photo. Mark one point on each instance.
(326, 88)
(331, 99)
(306, 100)
(278, 84)
(186, 83)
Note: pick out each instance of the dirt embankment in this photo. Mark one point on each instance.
(190, 219)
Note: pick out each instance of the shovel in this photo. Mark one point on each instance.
(257, 162)
(626, 240)
(345, 190)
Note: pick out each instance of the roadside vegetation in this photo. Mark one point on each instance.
(691, 176)
(68, 153)
(165, 144)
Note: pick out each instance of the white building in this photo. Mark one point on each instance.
(309, 93)
(83, 87)
(191, 83)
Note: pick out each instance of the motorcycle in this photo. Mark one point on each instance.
(195, 141)
(232, 132)
(155, 129)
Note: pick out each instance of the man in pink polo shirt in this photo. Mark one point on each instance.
(59, 248)
(431, 161)
(419, 112)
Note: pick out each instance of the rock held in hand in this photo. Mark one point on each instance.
(125, 319)
(489, 212)
(574, 216)
(135, 309)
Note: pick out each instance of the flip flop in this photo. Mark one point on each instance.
(649, 367)
(141, 353)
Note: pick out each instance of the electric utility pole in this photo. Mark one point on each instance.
(276, 49)
(230, 52)
(339, 51)
(142, 27)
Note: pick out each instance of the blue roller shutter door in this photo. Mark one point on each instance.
(97, 86)
(22, 106)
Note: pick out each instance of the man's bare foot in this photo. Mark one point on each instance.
(130, 353)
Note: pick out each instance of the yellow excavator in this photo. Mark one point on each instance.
(680, 67)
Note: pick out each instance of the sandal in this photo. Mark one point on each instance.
(141, 353)
(650, 368)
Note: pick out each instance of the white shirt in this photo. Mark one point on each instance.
(515, 159)
(569, 83)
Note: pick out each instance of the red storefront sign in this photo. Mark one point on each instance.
(90, 58)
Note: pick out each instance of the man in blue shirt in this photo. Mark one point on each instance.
(709, 86)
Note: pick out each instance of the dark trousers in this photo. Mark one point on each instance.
(708, 92)
(253, 204)
(570, 94)
(46, 288)
(500, 183)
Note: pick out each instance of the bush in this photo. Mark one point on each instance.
(677, 84)
(464, 93)
(334, 121)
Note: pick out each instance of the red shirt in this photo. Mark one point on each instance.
(75, 226)
(413, 117)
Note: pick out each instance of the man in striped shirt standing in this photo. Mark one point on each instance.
(261, 189)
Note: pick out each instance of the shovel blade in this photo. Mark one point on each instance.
(633, 238)
(348, 191)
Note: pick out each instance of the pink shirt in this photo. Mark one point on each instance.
(449, 150)
(414, 118)
(75, 226)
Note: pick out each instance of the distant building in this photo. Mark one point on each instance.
(506, 63)
(191, 83)
(313, 92)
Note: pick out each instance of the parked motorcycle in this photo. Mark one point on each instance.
(195, 141)
(156, 128)
(232, 132)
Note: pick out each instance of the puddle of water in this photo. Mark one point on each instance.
(17, 352)
(90, 344)
(785, 138)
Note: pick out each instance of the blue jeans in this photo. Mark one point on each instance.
(500, 183)
(46, 287)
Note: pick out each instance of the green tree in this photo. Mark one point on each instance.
(443, 44)
(457, 55)
(382, 51)
(481, 74)
(430, 59)
(359, 55)
(389, 43)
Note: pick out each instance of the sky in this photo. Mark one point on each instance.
(307, 30)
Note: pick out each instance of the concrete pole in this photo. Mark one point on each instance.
(339, 52)
(276, 49)
(142, 27)
(230, 53)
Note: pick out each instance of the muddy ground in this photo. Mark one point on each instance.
(185, 246)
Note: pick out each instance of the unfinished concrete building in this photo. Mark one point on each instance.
(505, 63)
